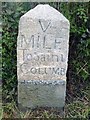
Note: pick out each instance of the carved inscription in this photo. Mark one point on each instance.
(43, 25)
(32, 59)
(43, 70)
(38, 41)
(42, 57)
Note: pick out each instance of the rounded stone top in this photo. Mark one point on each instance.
(46, 12)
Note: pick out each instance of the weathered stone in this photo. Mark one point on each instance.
(42, 56)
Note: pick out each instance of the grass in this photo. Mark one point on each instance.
(77, 101)
(1, 113)
(77, 107)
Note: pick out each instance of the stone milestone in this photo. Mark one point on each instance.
(42, 56)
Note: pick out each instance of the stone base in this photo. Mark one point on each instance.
(32, 94)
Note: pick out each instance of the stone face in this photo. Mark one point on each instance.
(42, 56)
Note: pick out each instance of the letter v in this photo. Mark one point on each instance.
(44, 25)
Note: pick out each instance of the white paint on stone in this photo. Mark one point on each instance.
(42, 56)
